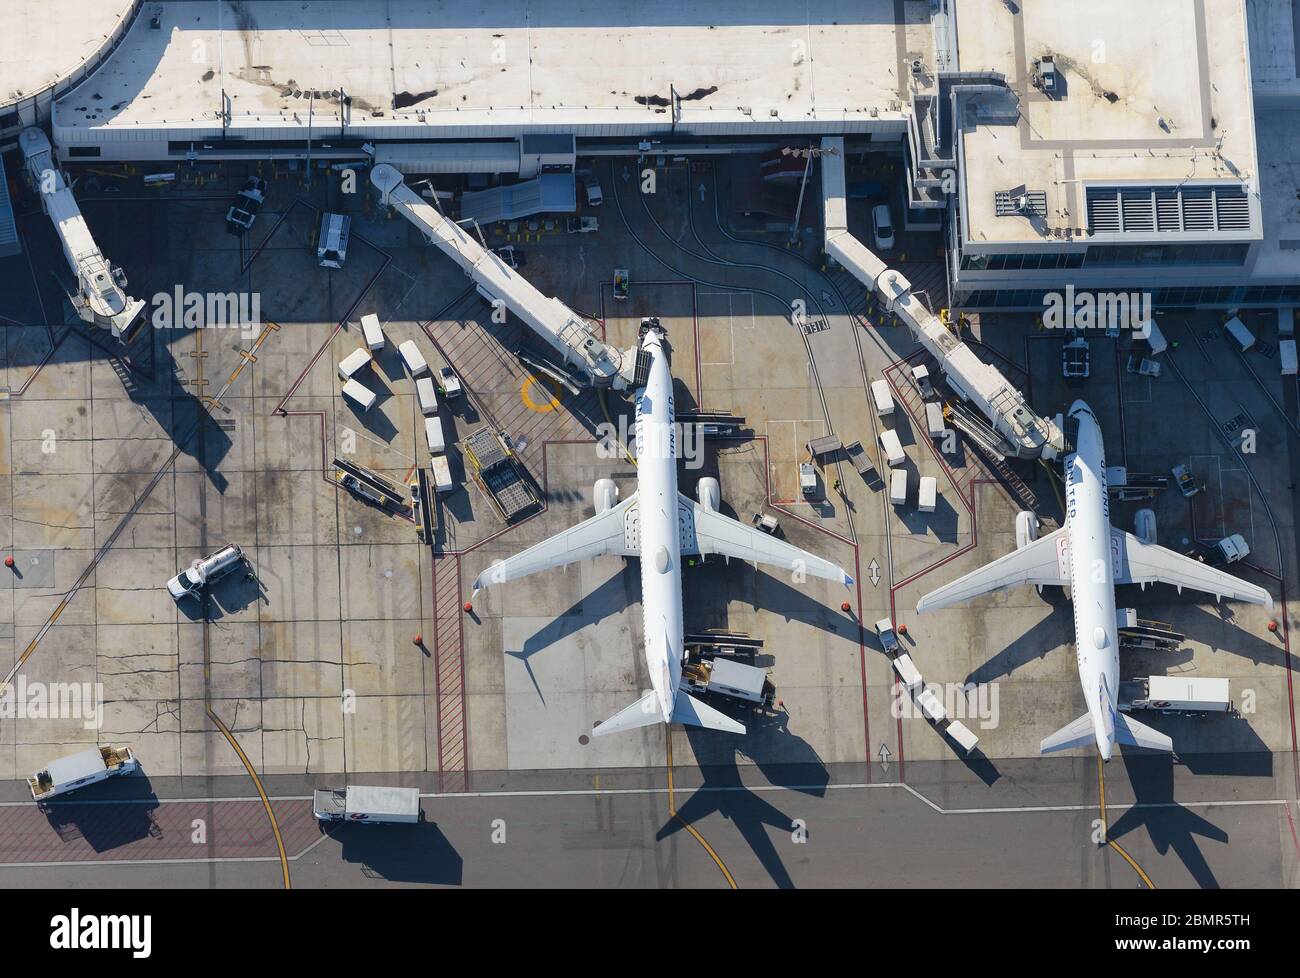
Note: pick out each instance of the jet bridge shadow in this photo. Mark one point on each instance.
(723, 790)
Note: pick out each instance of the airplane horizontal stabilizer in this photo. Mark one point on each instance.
(689, 710)
(642, 713)
(1129, 731)
(1074, 734)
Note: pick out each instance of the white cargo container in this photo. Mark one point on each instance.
(934, 419)
(930, 705)
(1244, 337)
(892, 447)
(433, 436)
(928, 494)
(898, 487)
(427, 394)
(959, 732)
(413, 358)
(1183, 694)
(1287, 354)
(78, 770)
(907, 671)
(357, 803)
(362, 396)
(373, 332)
(883, 398)
(354, 361)
(441, 474)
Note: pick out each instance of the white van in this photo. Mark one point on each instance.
(907, 671)
(898, 487)
(934, 419)
(413, 358)
(373, 332)
(353, 362)
(361, 395)
(205, 571)
(433, 435)
(427, 394)
(884, 400)
(928, 495)
(892, 447)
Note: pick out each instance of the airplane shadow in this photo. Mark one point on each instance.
(724, 792)
(591, 608)
(1049, 634)
(1170, 825)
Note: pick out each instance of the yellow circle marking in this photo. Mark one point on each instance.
(525, 395)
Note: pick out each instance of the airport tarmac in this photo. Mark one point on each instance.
(312, 667)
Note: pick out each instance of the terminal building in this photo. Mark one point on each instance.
(1111, 145)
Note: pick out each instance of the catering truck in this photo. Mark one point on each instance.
(78, 770)
(1177, 694)
(358, 803)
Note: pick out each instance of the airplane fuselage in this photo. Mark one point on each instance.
(1092, 578)
(661, 569)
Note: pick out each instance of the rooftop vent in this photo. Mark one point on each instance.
(1166, 210)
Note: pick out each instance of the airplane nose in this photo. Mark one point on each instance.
(1078, 405)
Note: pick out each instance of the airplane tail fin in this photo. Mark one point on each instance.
(687, 709)
(1129, 731)
(642, 713)
(1075, 734)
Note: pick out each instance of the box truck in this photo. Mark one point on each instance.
(357, 803)
(80, 769)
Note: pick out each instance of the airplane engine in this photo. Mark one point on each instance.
(1144, 525)
(1026, 529)
(709, 493)
(604, 494)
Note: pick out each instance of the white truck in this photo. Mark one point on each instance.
(205, 571)
(358, 803)
(78, 770)
(1182, 694)
(807, 480)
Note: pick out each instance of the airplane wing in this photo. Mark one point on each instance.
(603, 534)
(1041, 562)
(709, 532)
(1147, 563)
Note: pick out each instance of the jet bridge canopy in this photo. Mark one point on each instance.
(1027, 434)
(565, 330)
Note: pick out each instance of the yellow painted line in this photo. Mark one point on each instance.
(526, 396)
(672, 810)
(1101, 786)
(266, 802)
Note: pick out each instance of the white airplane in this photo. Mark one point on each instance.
(658, 524)
(1091, 556)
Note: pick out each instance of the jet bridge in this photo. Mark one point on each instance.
(1026, 434)
(101, 298)
(566, 331)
